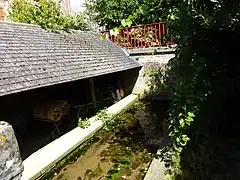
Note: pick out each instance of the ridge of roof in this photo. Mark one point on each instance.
(72, 31)
(19, 23)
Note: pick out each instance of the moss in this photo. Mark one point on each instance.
(89, 174)
(126, 151)
(97, 172)
(119, 172)
(75, 154)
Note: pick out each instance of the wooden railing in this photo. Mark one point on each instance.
(2, 14)
(142, 36)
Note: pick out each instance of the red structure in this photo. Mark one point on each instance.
(142, 36)
(2, 14)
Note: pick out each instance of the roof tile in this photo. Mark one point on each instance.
(31, 57)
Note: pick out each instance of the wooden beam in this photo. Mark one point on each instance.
(94, 102)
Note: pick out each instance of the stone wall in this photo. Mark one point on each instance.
(149, 61)
(153, 123)
(11, 166)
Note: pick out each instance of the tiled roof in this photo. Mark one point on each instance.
(31, 57)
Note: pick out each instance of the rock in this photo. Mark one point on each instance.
(155, 141)
(147, 123)
(11, 166)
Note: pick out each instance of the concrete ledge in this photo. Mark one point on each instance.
(156, 169)
(152, 51)
(46, 158)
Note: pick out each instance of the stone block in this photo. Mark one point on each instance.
(11, 166)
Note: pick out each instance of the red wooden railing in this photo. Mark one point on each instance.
(142, 36)
(2, 14)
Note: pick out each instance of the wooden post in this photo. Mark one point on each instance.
(93, 93)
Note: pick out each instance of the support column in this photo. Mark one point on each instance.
(94, 102)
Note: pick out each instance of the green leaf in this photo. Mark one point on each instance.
(117, 30)
(103, 36)
(178, 140)
(182, 123)
(167, 177)
(141, 10)
(185, 138)
(113, 32)
(189, 119)
(128, 22)
(191, 114)
(183, 143)
(145, 8)
(178, 149)
(123, 22)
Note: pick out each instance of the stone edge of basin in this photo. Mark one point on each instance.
(156, 169)
(43, 160)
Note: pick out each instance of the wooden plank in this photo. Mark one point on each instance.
(93, 95)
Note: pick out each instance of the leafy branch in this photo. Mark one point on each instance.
(45, 13)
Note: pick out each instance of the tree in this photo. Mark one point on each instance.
(151, 11)
(134, 12)
(203, 83)
(110, 12)
(45, 13)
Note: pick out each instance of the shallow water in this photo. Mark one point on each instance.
(125, 154)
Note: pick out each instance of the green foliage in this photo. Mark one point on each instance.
(84, 123)
(147, 12)
(102, 115)
(117, 123)
(107, 120)
(45, 13)
(124, 13)
(151, 11)
(202, 82)
(125, 161)
(156, 78)
(81, 22)
(110, 123)
(110, 12)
